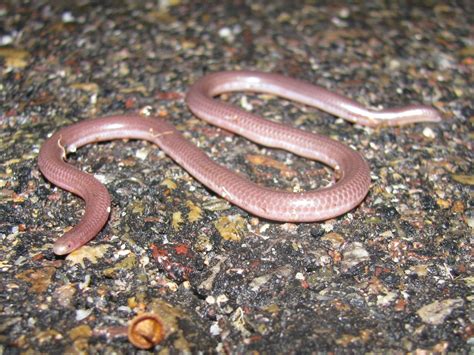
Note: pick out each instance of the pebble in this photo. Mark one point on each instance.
(225, 32)
(64, 295)
(222, 299)
(435, 313)
(82, 314)
(385, 300)
(215, 329)
(429, 133)
(5, 40)
(67, 17)
(470, 221)
(354, 254)
(142, 153)
(335, 239)
(394, 64)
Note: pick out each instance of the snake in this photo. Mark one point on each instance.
(351, 169)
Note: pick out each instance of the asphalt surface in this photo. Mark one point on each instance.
(394, 274)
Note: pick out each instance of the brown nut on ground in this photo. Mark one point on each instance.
(146, 330)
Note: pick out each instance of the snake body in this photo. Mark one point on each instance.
(339, 198)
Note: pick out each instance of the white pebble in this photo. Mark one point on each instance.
(144, 261)
(142, 153)
(6, 40)
(123, 252)
(429, 133)
(328, 227)
(85, 283)
(344, 12)
(67, 17)
(225, 32)
(82, 314)
(394, 64)
(246, 104)
(470, 221)
(215, 329)
(124, 309)
(221, 299)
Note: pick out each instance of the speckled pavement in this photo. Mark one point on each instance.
(393, 275)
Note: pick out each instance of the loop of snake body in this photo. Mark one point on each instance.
(322, 204)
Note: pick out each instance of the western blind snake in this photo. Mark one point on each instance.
(349, 190)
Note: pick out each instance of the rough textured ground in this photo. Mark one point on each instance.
(392, 275)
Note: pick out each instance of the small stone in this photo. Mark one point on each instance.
(222, 299)
(429, 133)
(419, 270)
(82, 314)
(385, 300)
(435, 313)
(289, 227)
(328, 226)
(48, 335)
(394, 64)
(354, 254)
(335, 239)
(215, 329)
(64, 295)
(246, 104)
(67, 17)
(469, 221)
(226, 33)
(168, 183)
(257, 282)
(299, 276)
(142, 153)
(344, 12)
(283, 17)
(216, 204)
(458, 91)
(88, 87)
(6, 40)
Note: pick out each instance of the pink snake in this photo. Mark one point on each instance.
(339, 198)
